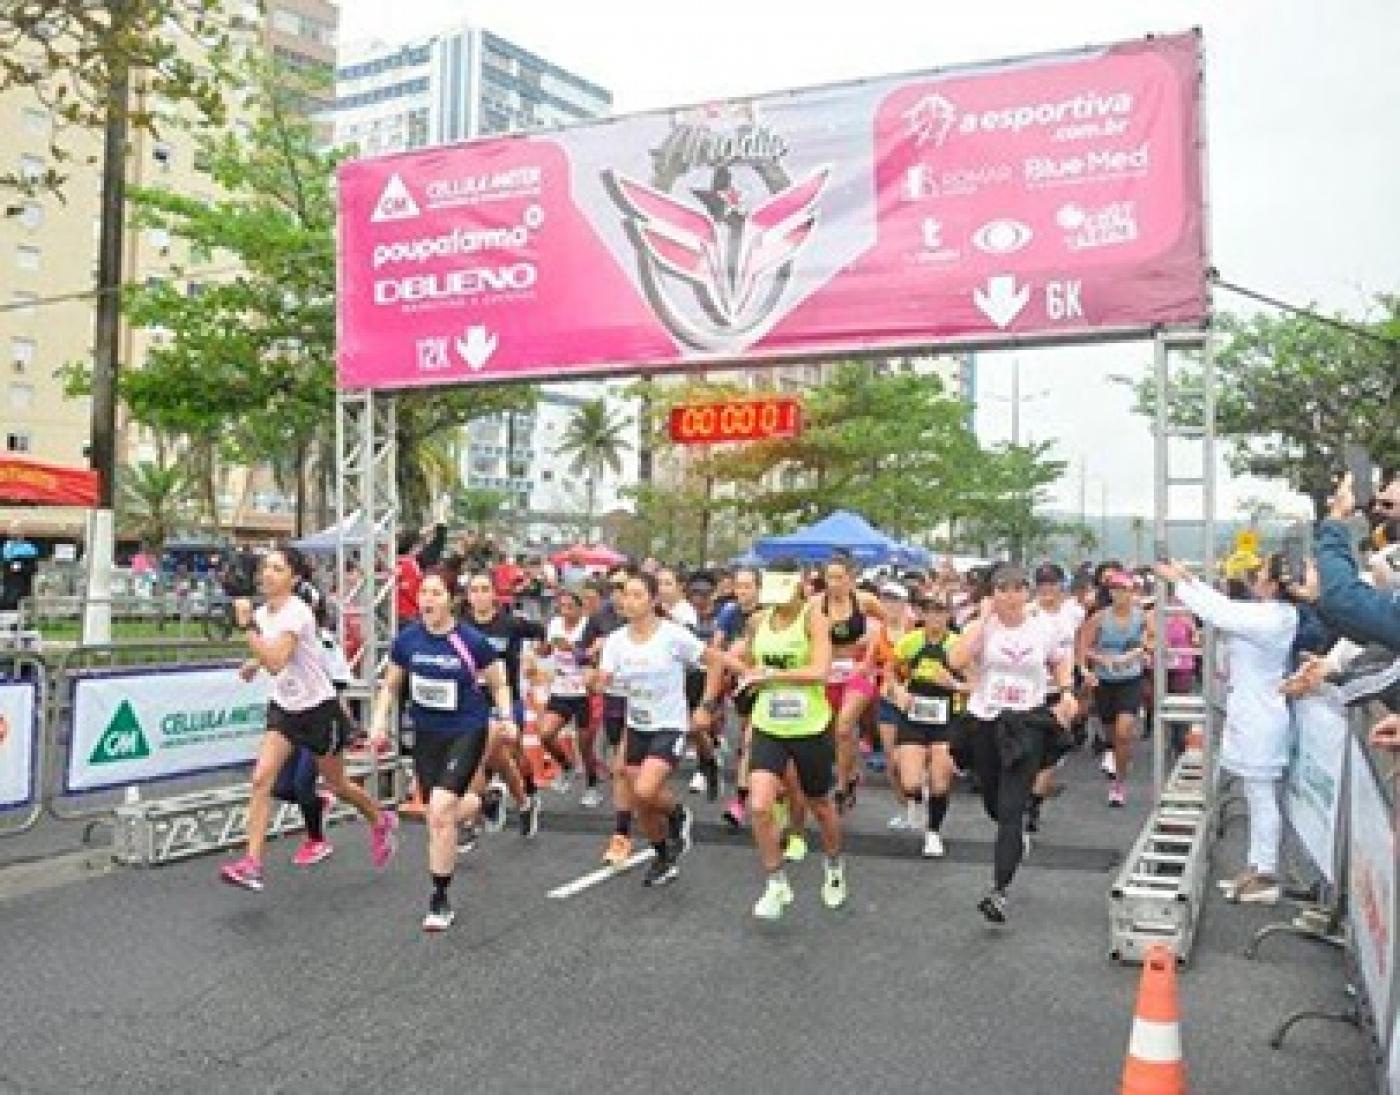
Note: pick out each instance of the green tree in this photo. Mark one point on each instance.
(1292, 391)
(69, 54)
(594, 442)
(477, 507)
(152, 500)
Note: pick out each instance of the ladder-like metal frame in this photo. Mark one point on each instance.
(1159, 892)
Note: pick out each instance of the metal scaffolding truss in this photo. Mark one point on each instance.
(366, 510)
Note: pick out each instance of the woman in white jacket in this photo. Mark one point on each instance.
(1259, 637)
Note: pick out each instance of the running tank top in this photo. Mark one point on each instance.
(1013, 674)
(1115, 639)
(788, 710)
(849, 631)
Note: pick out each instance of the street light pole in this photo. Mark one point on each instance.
(102, 453)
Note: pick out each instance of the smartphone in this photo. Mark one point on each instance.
(1359, 466)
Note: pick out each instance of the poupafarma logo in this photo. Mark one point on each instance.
(395, 203)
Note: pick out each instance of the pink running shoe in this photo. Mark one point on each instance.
(245, 872)
(312, 852)
(382, 841)
(1117, 795)
(734, 814)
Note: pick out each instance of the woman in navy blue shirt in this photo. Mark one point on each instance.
(442, 662)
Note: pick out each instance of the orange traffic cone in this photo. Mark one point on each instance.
(413, 807)
(1154, 1065)
(1196, 739)
(542, 765)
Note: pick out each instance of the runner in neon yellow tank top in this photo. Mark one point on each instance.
(785, 657)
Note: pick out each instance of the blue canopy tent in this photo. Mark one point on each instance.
(912, 555)
(841, 531)
(323, 542)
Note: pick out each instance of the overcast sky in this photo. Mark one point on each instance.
(1303, 115)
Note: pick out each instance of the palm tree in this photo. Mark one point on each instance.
(153, 499)
(594, 443)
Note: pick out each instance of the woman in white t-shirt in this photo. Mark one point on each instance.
(1021, 697)
(647, 660)
(567, 702)
(303, 711)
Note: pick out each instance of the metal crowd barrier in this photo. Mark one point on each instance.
(155, 817)
(1340, 809)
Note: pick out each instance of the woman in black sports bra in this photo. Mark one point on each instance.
(851, 688)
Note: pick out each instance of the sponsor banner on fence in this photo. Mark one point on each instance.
(1371, 899)
(1048, 197)
(1313, 787)
(17, 727)
(127, 729)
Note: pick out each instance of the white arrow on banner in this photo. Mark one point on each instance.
(476, 349)
(1002, 302)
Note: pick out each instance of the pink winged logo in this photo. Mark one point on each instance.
(734, 262)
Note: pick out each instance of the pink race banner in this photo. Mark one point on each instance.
(1047, 199)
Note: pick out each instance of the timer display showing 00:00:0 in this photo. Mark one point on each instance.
(737, 421)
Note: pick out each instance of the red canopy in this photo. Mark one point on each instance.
(592, 555)
(29, 481)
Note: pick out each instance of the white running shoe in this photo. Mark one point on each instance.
(697, 783)
(591, 798)
(933, 846)
(1108, 766)
(899, 823)
(777, 896)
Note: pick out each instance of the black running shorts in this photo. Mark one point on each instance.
(448, 761)
(321, 729)
(814, 756)
(572, 709)
(662, 745)
(1114, 698)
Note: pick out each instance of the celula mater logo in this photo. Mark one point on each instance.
(395, 203)
(719, 227)
(122, 740)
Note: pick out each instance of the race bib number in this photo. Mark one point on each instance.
(1121, 663)
(433, 694)
(1005, 690)
(928, 709)
(640, 712)
(841, 670)
(787, 706)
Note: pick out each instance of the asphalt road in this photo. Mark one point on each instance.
(165, 980)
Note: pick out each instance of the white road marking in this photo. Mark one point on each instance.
(578, 885)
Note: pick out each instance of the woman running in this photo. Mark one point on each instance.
(1113, 648)
(647, 660)
(567, 704)
(732, 625)
(930, 698)
(443, 663)
(899, 622)
(855, 621)
(303, 711)
(786, 660)
(1259, 637)
(1010, 654)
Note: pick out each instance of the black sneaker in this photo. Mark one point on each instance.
(993, 907)
(530, 816)
(493, 810)
(680, 823)
(467, 839)
(710, 770)
(440, 915)
(661, 871)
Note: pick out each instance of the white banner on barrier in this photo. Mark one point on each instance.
(1371, 902)
(146, 726)
(16, 745)
(1312, 790)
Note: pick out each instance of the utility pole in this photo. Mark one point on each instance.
(102, 453)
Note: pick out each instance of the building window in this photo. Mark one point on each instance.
(24, 304)
(17, 441)
(22, 351)
(31, 168)
(159, 238)
(36, 121)
(21, 396)
(27, 257)
(32, 215)
(163, 154)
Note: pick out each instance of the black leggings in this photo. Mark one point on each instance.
(1006, 791)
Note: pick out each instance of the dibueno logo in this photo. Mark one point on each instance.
(395, 202)
(456, 284)
(714, 269)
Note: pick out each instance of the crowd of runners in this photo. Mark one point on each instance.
(791, 681)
